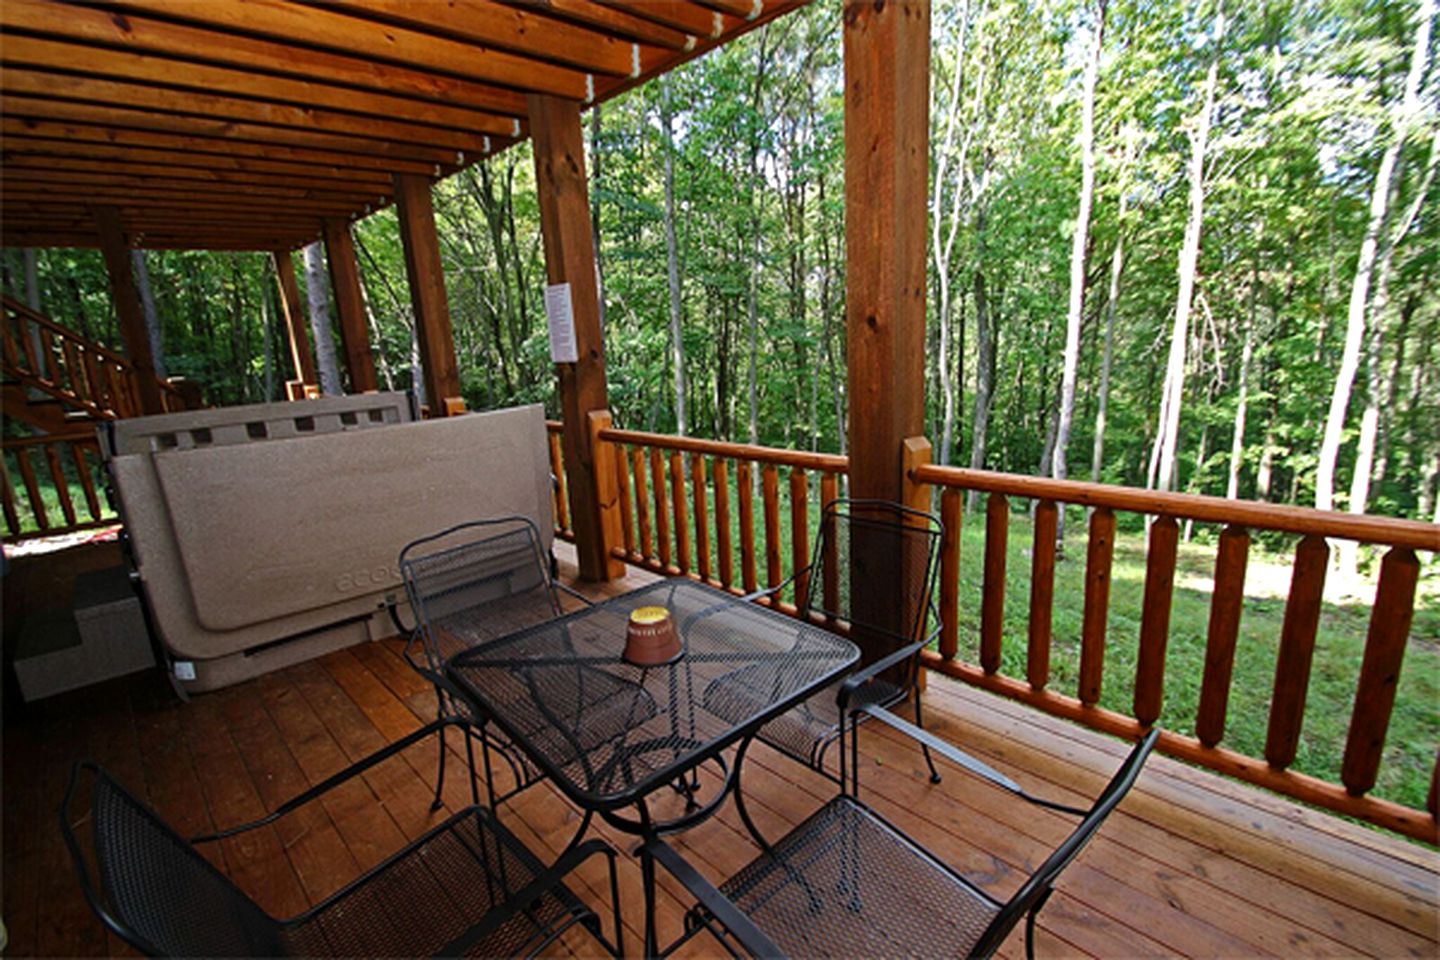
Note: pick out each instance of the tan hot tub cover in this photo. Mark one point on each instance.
(268, 534)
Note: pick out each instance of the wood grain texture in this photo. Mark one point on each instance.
(992, 602)
(702, 516)
(1297, 647)
(1226, 605)
(745, 494)
(681, 515)
(662, 509)
(126, 298)
(800, 535)
(1098, 555)
(723, 539)
(1390, 619)
(951, 518)
(642, 502)
(887, 133)
(426, 274)
(1042, 594)
(770, 497)
(350, 305)
(1155, 619)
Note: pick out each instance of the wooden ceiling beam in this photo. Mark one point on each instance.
(137, 67)
(740, 9)
(510, 27)
(32, 159)
(52, 193)
(275, 190)
(49, 239)
(631, 27)
(128, 29)
(110, 114)
(155, 108)
(328, 29)
(213, 152)
(676, 14)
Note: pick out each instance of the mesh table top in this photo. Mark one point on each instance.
(609, 732)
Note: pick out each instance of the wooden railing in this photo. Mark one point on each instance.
(685, 506)
(71, 477)
(43, 355)
(688, 506)
(1390, 618)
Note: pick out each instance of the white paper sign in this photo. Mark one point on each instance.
(562, 323)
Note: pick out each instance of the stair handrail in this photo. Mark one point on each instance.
(173, 398)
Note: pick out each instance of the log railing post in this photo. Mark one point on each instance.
(1297, 648)
(1042, 594)
(1098, 555)
(607, 493)
(992, 606)
(1226, 604)
(1155, 619)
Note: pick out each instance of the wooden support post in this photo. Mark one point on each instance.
(427, 294)
(607, 492)
(127, 307)
(560, 181)
(887, 93)
(350, 303)
(296, 324)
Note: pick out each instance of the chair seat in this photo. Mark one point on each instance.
(418, 902)
(803, 732)
(845, 884)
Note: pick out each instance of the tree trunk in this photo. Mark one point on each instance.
(984, 383)
(943, 241)
(1162, 473)
(317, 295)
(1400, 115)
(1060, 465)
(1112, 300)
(152, 316)
(672, 260)
(1237, 436)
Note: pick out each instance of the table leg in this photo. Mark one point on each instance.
(740, 797)
(647, 874)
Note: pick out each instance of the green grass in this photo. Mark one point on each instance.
(1409, 756)
(47, 487)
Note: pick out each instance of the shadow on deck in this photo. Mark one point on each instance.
(1191, 864)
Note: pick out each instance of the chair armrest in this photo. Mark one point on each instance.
(523, 899)
(741, 927)
(962, 759)
(330, 783)
(866, 674)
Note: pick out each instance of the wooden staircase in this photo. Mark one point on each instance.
(56, 380)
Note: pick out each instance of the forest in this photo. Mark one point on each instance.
(1186, 246)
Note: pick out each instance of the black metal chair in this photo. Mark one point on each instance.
(466, 887)
(856, 536)
(848, 882)
(470, 584)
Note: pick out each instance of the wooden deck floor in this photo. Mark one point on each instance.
(1190, 865)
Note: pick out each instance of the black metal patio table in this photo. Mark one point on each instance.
(612, 746)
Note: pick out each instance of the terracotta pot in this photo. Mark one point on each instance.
(651, 639)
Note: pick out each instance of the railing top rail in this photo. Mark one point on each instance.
(15, 306)
(825, 462)
(1264, 516)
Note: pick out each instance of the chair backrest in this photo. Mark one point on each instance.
(155, 890)
(867, 542)
(1034, 891)
(484, 578)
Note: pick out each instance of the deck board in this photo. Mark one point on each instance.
(1191, 865)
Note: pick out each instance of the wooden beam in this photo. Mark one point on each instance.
(55, 96)
(427, 292)
(84, 157)
(887, 58)
(111, 114)
(614, 21)
(138, 32)
(342, 33)
(277, 189)
(570, 258)
(104, 130)
(127, 306)
(350, 304)
(887, 71)
(290, 305)
(529, 34)
(141, 67)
